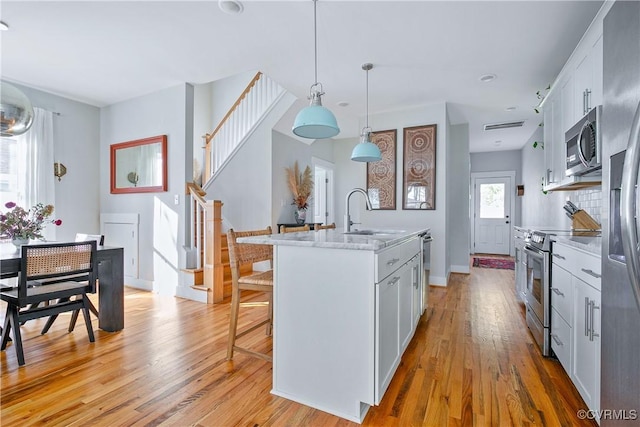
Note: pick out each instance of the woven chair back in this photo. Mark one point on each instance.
(248, 253)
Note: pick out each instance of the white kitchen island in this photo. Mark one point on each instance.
(345, 308)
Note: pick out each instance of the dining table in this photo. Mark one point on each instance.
(110, 281)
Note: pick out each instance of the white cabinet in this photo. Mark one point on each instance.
(562, 315)
(388, 332)
(397, 303)
(588, 81)
(586, 343)
(575, 318)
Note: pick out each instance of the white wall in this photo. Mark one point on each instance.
(500, 161)
(458, 230)
(351, 174)
(286, 151)
(76, 145)
(162, 223)
(245, 183)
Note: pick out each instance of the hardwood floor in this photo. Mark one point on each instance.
(471, 362)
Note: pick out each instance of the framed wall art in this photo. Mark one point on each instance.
(381, 175)
(419, 168)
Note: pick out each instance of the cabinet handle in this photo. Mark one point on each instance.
(558, 256)
(584, 102)
(588, 99)
(557, 340)
(414, 276)
(592, 307)
(393, 281)
(393, 261)
(557, 291)
(591, 273)
(586, 316)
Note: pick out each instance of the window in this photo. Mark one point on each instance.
(492, 200)
(9, 189)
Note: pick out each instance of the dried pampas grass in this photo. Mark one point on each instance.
(300, 184)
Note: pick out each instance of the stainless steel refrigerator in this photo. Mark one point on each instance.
(620, 130)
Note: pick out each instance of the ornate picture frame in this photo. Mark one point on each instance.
(381, 175)
(419, 168)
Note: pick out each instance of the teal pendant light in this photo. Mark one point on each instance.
(315, 121)
(365, 150)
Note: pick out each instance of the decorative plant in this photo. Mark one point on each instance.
(18, 223)
(541, 97)
(301, 185)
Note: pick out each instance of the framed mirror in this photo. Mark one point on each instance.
(139, 166)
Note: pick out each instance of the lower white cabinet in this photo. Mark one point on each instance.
(575, 318)
(397, 314)
(586, 343)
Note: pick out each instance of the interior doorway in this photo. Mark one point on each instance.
(323, 191)
(493, 203)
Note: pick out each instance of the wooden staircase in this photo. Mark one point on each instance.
(213, 275)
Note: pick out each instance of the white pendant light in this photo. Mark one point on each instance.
(315, 121)
(365, 150)
(16, 112)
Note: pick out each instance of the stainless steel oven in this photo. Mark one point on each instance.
(537, 260)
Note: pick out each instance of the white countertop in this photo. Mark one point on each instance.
(336, 239)
(592, 244)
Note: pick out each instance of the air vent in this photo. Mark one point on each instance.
(504, 125)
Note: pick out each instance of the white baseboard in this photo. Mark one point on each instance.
(437, 280)
(187, 292)
(460, 269)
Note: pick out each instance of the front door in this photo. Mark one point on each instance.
(323, 192)
(492, 214)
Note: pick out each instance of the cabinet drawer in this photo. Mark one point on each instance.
(563, 256)
(562, 293)
(389, 260)
(561, 340)
(589, 269)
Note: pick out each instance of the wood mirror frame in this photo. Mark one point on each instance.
(139, 166)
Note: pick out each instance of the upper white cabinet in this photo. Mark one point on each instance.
(587, 90)
(576, 90)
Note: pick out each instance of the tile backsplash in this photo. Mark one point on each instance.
(590, 200)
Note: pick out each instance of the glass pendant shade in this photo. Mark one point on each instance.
(16, 112)
(365, 150)
(315, 121)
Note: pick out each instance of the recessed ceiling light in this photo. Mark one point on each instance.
(488, 78)
(342, 104)
(510, 108)
(232, 7)
(4, 26)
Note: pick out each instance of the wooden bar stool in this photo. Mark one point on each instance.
(262, 281)
(285, 229)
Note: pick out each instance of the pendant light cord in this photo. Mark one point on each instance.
(367, 98)
(315, 39)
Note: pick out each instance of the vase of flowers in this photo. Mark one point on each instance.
(21, 225)
(301, 185)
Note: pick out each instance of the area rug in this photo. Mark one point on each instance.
(504, 264)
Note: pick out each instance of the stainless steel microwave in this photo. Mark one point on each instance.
(583, 146)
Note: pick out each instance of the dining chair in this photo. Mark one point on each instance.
(285, 229)
(81, 237)
(324, 227)
(261, 281)
(61, 271)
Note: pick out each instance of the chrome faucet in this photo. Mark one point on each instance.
(347, 218)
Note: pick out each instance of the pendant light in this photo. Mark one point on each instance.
(315, 121)
(16, 112)
(365, 150)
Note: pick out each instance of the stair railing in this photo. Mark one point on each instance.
(243, 116)
(206, 241)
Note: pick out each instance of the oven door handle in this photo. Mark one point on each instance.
(533, 252)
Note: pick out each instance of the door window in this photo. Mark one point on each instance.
(492, 200)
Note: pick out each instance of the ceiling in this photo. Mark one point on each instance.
(423, 52)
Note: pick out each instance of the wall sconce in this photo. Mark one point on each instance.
(59, 170)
